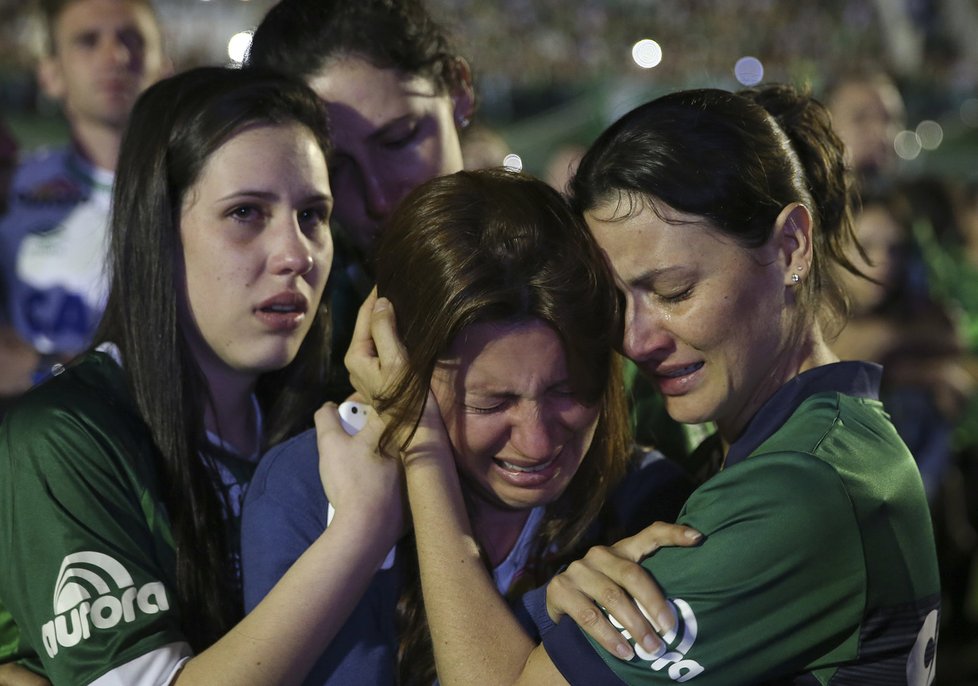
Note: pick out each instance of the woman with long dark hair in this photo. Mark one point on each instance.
(122, 477)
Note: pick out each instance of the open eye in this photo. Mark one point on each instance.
(245, 213)
(311, 218)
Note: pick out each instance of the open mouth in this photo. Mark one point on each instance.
(682, 371)
(524, 469)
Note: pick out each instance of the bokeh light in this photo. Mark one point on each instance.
(513, 162)
(907, 145)
(238, 46)
(749, 71)
(930, 134)
(646, 53)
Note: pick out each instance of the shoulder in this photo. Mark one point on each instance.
(780, 495)
(42, 165)
(49, 180)
(75, 416)
(654, 489)
(289, 470)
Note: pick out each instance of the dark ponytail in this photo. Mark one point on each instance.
(737, 159)
(807, 124)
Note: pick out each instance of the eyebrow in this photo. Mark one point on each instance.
(267, 195)
(650, 276)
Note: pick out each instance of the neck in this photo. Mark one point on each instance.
(497, 530)
(98, 143)
(230, 413)
(807, 352)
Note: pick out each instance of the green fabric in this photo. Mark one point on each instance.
(82, 519)
(833, 502)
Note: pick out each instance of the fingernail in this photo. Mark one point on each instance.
(625, 651)
(693, 535)
(663, 621)
(650, 643)
(381, 304)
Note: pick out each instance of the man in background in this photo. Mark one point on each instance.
(99, 55)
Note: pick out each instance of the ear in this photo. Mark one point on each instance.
(793, 230)
(463, 94)
(50, 77)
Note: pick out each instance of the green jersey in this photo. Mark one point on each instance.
(818, 564)
(87, 588)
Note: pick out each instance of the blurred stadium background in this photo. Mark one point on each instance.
(552, 72)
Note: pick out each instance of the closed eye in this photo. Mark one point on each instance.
(487, 407)
(401, 137)
(677, 296)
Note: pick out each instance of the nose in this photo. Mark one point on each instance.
(379, 199)
(644, 334)
(534, 434)
(116, 51)
(291, 252)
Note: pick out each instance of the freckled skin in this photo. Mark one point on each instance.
(251, 232)
(706, 320)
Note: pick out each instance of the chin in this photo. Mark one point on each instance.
(686, 413)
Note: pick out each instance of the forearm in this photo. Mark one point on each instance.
(460, 597)
(12, 674)
(280, 640)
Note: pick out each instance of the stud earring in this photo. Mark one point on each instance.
(795, 278)
(462, 121)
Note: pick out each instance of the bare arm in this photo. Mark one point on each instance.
(279, 641)
(14, 675)
(460, 596)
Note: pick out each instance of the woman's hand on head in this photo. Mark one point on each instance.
(376, 359)
(376, 356)
(358, 479)
(611, 576)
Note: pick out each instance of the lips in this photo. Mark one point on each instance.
(675, 372)
(525, 469)
(284, 311)
(677, 379)
(533, 476)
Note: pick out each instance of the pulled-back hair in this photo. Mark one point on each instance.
(736, 159)
(299, 37)
(497, 246)
(174, 129)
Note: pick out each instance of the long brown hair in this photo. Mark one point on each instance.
(497, 246)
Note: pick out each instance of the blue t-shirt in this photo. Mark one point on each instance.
(285, 511)
(53, 247)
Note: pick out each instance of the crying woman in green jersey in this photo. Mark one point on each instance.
(122, 477)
